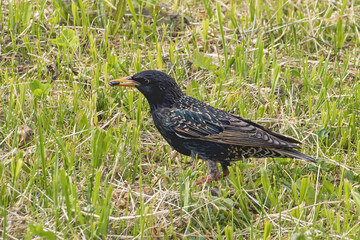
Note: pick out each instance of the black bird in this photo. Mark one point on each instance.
(196, 129)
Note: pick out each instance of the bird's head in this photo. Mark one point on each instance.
(160, 89)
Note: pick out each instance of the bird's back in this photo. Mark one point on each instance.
(195, 128)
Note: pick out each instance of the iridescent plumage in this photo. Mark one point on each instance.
(196, 129)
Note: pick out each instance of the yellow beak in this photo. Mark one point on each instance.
(124, 82)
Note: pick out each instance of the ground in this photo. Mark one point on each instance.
(81, 160)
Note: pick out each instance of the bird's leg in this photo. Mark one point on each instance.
(224, 166)
(214, 173)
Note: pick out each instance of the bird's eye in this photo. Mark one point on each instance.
(147, 81)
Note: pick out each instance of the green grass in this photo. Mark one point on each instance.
(94, 165)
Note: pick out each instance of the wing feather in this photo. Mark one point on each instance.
(224, 128)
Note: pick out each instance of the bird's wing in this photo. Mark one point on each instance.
(224, 128)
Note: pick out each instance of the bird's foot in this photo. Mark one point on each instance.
(226, 173)
(214, 173)
(206, 180)
(210, 178)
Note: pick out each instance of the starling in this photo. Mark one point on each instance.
(196, 129)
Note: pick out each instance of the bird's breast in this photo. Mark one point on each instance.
(163, 123)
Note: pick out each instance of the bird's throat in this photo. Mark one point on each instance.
(163, 104)
(167, 101)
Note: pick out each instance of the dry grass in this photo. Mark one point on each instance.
(80, 160)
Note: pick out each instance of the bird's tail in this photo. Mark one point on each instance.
(295, 154)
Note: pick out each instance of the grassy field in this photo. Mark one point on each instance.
(81, 160)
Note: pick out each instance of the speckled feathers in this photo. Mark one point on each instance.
(196, 129)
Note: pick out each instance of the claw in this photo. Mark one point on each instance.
(206, 180)
(210, 178)
(214, 172)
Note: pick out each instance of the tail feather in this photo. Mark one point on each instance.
(295, 154)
